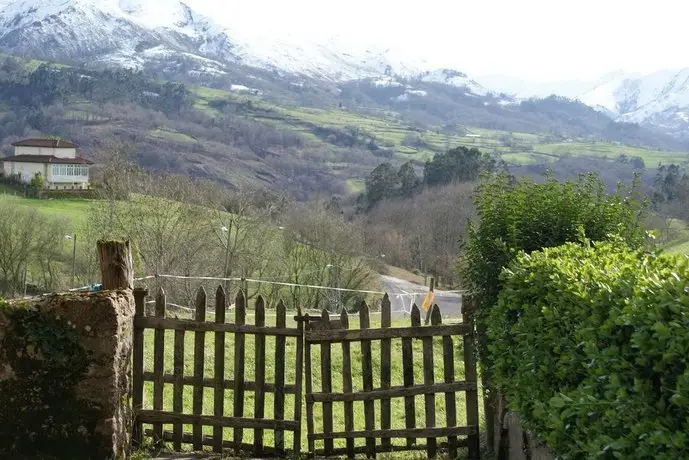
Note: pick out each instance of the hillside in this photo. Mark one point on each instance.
(305, 140)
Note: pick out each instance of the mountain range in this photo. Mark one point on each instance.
(660, 99)
(169, 34)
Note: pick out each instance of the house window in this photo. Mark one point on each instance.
(70, 171)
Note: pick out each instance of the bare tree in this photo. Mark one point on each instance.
(323, 250)
(30, 244)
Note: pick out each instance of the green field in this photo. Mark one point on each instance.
(171, 135)
(337, 385)
(390, 132)
(679, 234)
(74, 211)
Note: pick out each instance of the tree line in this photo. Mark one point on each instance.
(457, 165)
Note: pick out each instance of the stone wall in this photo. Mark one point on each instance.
(65, 376)
(511, 441)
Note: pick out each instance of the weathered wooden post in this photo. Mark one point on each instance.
(116, 265)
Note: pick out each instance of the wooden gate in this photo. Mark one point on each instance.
(177, 387)
(378, 433)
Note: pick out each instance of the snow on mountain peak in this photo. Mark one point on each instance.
(454, 78)
(132, 32)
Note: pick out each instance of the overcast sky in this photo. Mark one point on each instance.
(542, 40)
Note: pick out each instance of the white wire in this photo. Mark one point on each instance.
(250, 280)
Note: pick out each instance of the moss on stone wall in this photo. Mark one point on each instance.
(40, 414)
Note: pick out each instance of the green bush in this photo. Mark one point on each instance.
(590, 345)
(37, 181)
(526, 216)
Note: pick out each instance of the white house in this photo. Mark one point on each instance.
(56, 160)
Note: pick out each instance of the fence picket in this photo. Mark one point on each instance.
(279, 399)
(298, 382)
(470, 375)
(408, 372)
(138, 364)
(219, 369)
(309, 390)
(367, 375)
(449, 374)
(260, 373)
(429, 399)
(240, 318)
(199, 361)
(347, 384)
(158, 364)
(326, 384)
(385, 369)
(178, 388)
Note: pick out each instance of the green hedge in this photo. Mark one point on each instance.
(590, 345)
(516, 216)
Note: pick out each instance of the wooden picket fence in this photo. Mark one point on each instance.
(325, 334)
(193, 429)
(238, 385)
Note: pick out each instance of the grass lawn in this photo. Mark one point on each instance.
(612, 151)
(171, 135)
(336, 359)
(75, 211)
(679, 243)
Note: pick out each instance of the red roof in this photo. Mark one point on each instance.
(48, 143)
(47, 159)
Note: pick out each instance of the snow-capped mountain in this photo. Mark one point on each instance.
(135, 33)
(660, 99)
(124, 32)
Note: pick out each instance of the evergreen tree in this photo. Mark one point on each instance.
(460, 164)
(382, 183)
(408, 180)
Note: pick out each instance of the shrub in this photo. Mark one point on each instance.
(527, 216)
(37, 181)
(590, 345)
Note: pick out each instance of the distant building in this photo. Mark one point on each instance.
(56, 160)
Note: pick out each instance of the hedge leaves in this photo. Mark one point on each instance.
(590, 345)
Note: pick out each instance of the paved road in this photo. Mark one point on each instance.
(404, 294)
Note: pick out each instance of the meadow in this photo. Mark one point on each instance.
(390, 132)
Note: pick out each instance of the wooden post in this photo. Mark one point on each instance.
(326, 386)
(449, 374)
(367, 376)
(298, 383)
(408, 373)
(178, 389)
(159, 366)
(279, 399)
(386, 371)
(347, 384)
(429, 399)
(260, 374)
(199, 362)
(138, 364)
(239, 367)
(219, 369)
(116, 266)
